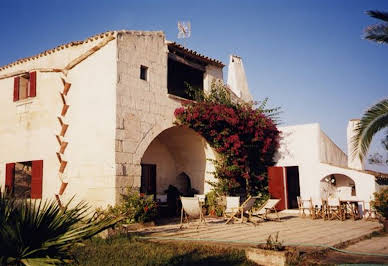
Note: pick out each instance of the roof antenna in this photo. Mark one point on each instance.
(184, 30)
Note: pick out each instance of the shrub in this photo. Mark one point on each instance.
(41, 232)
(380, 203)
(134, 207)
(212, 204)
(245, 137)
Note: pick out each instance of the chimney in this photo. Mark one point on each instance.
(355, 162)
(237, 80)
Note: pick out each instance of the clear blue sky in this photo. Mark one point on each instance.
(307, 56)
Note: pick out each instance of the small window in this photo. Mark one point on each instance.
(24, 82)
(24, 86)
(22, 180)
(143, 72)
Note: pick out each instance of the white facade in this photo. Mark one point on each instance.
(114, 120)
(319, 160)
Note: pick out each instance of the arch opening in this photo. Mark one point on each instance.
(180, 158)
(337, 186)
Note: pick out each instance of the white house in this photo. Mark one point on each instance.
(311, 165)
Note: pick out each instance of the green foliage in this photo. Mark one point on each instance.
(273, 243)
(244, 135)
(41, 232)
(380, 203)
(133, 251)
(212, 204)
(373, 120)
(134, 207)
(378, 32)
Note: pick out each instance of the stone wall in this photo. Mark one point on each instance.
(144, 108)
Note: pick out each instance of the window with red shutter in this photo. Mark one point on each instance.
(36, 179)
(9, 176)
(32, 90)
(16, 89)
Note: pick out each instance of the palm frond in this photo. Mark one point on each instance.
(373, 120)
(378, 14)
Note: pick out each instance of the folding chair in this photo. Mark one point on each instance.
(267, 207)
(191, 209)
(232, 205)
(305, 205)
(369, 213)
(245, 207)
(335, 209)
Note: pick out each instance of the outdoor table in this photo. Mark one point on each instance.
(352, 205)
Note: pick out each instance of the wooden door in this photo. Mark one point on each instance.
(276, 186)
(148, 179)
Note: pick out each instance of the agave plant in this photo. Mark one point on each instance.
(41, 232)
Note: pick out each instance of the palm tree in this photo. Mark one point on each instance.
(373, 120)
(378, 32)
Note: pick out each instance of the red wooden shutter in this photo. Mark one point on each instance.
(36, 179)
(32, 91)
(9, 176)
(16, 89)
(276, 186)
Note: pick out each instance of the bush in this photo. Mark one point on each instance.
(212, 204)
(381, 202)
(135, 207)
(245, 137)
(41, 232)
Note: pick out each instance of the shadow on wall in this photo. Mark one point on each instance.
(180, 159)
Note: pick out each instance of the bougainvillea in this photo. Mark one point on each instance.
(246, 138)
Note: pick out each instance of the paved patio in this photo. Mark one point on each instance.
(292, 229)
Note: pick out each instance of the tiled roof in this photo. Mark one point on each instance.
(195, 54)
(58, 48)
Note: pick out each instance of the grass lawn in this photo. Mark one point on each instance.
(124, 250)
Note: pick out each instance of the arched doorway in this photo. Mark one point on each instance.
(337, 185)
(177, 157)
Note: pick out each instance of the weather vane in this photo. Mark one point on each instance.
(184, 30)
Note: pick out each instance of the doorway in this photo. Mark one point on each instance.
(293, 188)
(148, 179)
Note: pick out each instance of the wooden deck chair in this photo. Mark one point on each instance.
(245, 207)
(191, 209)
(305, 205)
(267, 207)
(335, 210)
(232, 205)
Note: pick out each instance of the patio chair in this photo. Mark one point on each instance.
(267, 207)
(318, 209)
(304, 205)
(191, 209)
(335, 209)
(232, 205)
(369, 213)
(244, 208)
(201, 198)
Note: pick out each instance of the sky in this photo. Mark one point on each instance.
(308, 57)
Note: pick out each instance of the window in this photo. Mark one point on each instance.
(179, 75)
(24, 179)
(24, 86)
(144, 73)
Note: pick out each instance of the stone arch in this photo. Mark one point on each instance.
(337, 185)
(175, 151)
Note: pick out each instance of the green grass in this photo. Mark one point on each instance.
(133, 251)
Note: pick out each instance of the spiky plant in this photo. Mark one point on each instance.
(373, 120)
(41, 232)
(378, 32)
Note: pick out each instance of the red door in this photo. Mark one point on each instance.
(276, 186)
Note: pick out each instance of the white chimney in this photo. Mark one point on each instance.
(237, 80)
(355, 162)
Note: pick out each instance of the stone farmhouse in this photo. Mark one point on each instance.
(89, 118)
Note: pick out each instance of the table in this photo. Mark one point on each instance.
(352, 205)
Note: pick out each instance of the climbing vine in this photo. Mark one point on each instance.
(244, 135)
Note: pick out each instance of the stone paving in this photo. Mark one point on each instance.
(292, 229)
(376, 245)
